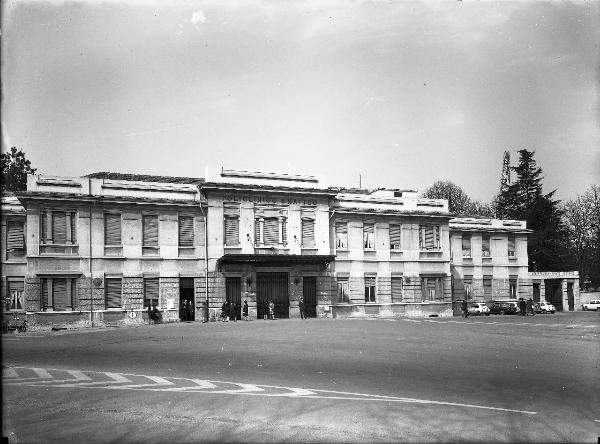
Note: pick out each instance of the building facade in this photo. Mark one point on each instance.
(102, 249)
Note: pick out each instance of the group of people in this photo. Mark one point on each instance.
(187, 311)
(526, 307)
(154, 315)
(229, 311)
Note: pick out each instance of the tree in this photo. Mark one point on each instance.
(524, 199)
(458, 201)
(15, 168)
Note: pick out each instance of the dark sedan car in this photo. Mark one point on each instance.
(504, 307)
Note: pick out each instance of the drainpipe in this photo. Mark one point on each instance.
(205, 258)
(90, 264)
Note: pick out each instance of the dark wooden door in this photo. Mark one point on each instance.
(571, 296)
(186, 299)
(536, 292)
(310, 296)
(233, 295)
(272, 286)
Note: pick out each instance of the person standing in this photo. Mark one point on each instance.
(530, 307)
(245, 311)
(301, 307)
(523, 307)
(272, 309)
(224, 312)
(465, 308)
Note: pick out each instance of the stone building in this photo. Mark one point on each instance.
(101, 249)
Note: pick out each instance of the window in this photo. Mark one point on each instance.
(308, 232)
(511, 245)
(271, 231)
(112, 229)
(185, 233)
(395, 237)
(513, 287)
(15, 239)
(150, 234)
(396, 289)
(468, 284)
(431, 289)
(58, 227)
(113, 292)
(466, 245)
(58, 294)
(341, 235)
(232, 231)
(429, 237)
(150, 292)
(343, 294)
(369, 289)
(14, 293)
(487, 286)
(485, 245)
(368, 236)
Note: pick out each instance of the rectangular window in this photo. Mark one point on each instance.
(232, 230)
(150, 234)
(466, 245)
(112, 229)
(431, 289)
(59, 227)
(271, 231)
(485, 245)
(185, 234)
(44, 228)
(513, 287)
(429, 237)
(370, 289)
(308, 232)
(343, 294)
(15, 239)
(112, 292)
(14, 292)
(487, 287)
(396, 289)
(341, 235)
(150, 292)
(511, 245)
(368, 236)
(58, 294)
(468, 284)
(395, 237)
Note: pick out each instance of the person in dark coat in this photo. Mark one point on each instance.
(465, 308)
(530, 307)
(245, 311)
(224, 311)
(523, 307)
(301, 307)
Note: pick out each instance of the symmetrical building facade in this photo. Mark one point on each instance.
(101, 249)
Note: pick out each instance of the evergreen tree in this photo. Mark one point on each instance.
(15, 168)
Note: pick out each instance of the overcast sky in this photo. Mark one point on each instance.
(403, 93)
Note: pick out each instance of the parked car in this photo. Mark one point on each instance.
(478, 308)
(504, 307)
(544, 307)
(592, 305)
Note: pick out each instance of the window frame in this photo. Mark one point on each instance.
(466, 241)
(370, 290)
(15, 253)
(339, 237)
(397, 246)
(18, 297)
(107, 280)
(512, 242)
(368, 236)
(150, 249)
(484, 243)
(147, 280)
(343, 290)
(436, 234)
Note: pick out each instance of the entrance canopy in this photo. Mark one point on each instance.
(275, 260)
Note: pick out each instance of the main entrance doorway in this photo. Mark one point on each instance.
(186, 299)
(310, 296)
(554, 293)
(233, 295)
(272, 286)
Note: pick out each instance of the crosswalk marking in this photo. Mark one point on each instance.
(42, 373)
(9, 373)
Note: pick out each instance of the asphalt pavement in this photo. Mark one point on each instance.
(496, 378)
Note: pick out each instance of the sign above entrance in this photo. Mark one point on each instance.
(278, 200)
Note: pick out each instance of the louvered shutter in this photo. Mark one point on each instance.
(59, 227)
(394, 237)
(113, 290)
(232, 230)
(186, 231)
(44, 294)
(396, 289)
(73, 217)
(15, 235)
(150, 292)
(257, 232)
(112, 229)
(284, 231)
(341, 230)
(59, 293)
(44, 226)
(271, 231)
(150, 231)
(429, 237)
(308, 232)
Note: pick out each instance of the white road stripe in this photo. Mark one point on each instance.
(42, 373)
(9, 373)
(157, 381)
(245, 388)
(116, 379)
(200, 385)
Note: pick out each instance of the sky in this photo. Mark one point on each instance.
(398, 93)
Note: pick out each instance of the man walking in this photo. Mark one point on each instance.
(465, 308)
(301, 307)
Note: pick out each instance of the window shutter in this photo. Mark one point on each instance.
(271, 231)
(112, 229)
(256, 232)
(369, 282)
(44, 226)
(73, 217)
(15, 236)
(113, 290)
(150, 231)
(59, 227)
(59, 293)
(308, 232)
(44, 294)
(284, 231)
(429, 240)
(466, 242)
(394, 237)
(232, 231)
(150, 292)
(186, 231)
(396, 289)
(485, 245)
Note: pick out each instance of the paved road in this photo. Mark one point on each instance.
(497, 378)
